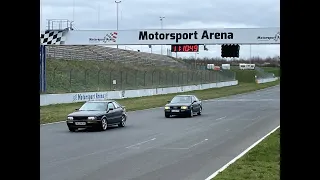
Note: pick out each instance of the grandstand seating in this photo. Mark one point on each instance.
(102, 53)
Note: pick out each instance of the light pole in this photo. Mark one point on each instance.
(40, 15)
(73, 4)
(195, 60)
(250, 54)
(117, 2)
(161, 23)
(99, 16)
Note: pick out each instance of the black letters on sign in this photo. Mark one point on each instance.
(230, 50)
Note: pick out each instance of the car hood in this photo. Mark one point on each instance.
(178, 104)
(87, 113)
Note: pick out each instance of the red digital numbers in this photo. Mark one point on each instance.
(191, 48)
(195, 48)
(185, 48)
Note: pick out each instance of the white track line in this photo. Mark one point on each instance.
(196, 144)
(240, 155)
(161, 107)
(186, 148)
(221, 118)
(137, 144)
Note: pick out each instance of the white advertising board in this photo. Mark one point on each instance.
(47, 99)
(266, 80)
(166, 36)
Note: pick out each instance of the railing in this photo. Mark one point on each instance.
(99, 53)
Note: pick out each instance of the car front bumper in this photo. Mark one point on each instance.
(83, 124)
(181, 112)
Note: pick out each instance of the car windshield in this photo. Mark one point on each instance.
(181, 99)
(94, 106)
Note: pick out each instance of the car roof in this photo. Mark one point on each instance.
(185, 95)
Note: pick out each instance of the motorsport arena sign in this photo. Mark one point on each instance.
(171, 36)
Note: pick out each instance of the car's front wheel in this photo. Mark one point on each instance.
(200, 111)
(104, 124)
(72, 129)
(167, 115)
(123, 121)
(191, 112)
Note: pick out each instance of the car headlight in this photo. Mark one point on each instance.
(166, 107)
(184, 107)
(70, 118)
(92, 118)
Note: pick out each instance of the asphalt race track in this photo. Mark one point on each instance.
(152, 147)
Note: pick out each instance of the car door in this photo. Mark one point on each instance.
(118, 112)
(111, 115)
(194, 104)
(198, 102)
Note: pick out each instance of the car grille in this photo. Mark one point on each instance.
(80, 118)
(175, 107)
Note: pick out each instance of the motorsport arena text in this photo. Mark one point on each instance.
(144, 35)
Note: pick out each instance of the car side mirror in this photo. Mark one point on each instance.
(168, 101)
(110, 109)
(77, 109)
(194, 101)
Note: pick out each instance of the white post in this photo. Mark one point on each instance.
(117, 2)
(73, 9)
(99, 16)
(161, 23)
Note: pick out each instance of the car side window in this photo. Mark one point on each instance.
(196, 98)
(116, 105)
(192, 99)
(110, 105)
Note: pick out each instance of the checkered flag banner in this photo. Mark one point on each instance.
(111, 37)
(53, 37)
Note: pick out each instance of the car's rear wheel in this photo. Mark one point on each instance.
(200, 111)
(72, 129)
(123, 121)
(104, 124)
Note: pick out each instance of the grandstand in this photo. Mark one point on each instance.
(102, 53)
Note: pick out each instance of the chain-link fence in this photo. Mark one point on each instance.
(62, 80)
(97, 68)
(261, 74)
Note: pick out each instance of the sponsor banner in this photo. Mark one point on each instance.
(174, 36)
(274, 38)
(89, 96)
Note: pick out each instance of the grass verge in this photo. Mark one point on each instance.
(248, 75)
(262, 162)
(54, 113)
(274, 70)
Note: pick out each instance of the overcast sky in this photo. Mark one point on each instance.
(183, 14)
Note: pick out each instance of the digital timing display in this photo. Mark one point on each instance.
(185, 48)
